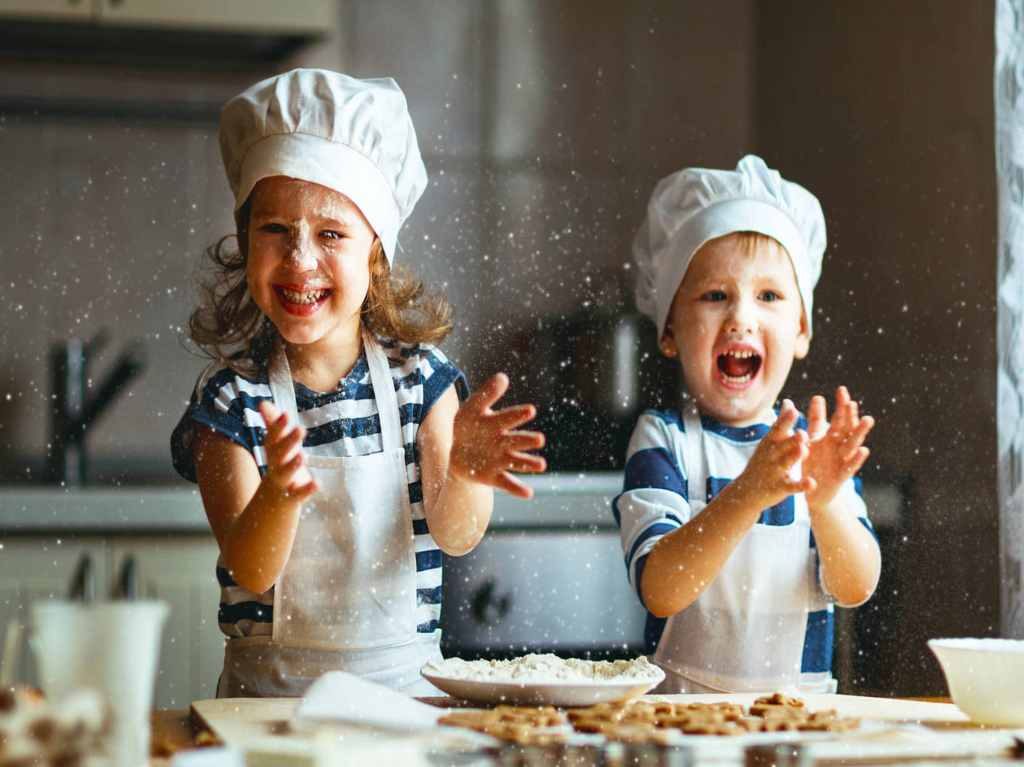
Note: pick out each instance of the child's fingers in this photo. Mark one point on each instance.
(288, 471)
(511, 417)
(512, 486)
(275, 420)
(802, 485)
(525, 440)
(854, 465)
(782, 428)
(526, 463)
(304, 492)
(287, 444)
(856, 439)
(816, 414)
(492, 390)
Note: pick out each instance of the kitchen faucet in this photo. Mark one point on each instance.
(73, 411)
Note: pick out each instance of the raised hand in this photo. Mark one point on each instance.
(487, 448)
(286, 463)
(836, 448)
(769, 473)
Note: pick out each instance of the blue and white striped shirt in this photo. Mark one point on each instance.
(339, 423)
(655, 501)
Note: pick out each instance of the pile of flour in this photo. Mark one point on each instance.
(545, 669)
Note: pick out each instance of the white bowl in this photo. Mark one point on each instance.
(985, 677)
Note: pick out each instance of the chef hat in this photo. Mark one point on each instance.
(695, 205)
(354, 136)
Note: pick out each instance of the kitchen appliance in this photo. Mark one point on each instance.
(596, 370)
(548, 577)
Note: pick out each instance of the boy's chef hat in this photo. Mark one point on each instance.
(695, 205)
(354, 136)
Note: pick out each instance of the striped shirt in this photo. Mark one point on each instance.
(655, 502)
(339, 423)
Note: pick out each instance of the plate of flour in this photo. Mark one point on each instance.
(543, 680)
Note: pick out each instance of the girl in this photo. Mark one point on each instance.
(333, 458)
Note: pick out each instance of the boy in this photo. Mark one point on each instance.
(741, 526)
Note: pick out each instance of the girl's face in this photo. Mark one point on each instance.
(308, 260)
(737, 324)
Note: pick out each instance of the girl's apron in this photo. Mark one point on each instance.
(346, 599)
(746, 630)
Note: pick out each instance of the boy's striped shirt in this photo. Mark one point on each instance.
(655, 502)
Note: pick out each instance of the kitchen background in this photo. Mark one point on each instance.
(544, 126)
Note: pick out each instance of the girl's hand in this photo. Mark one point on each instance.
(836, 448)
(768, 476)
(485, 445)
(286, 463)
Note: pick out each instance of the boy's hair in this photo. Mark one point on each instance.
(231, 329)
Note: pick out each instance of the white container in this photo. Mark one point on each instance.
(985, 677)
(109, 647)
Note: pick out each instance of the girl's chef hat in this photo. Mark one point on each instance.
(695, 205)
(354, 136)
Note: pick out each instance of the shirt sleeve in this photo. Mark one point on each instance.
(438, 374)
(852, 492)
(654, 499)
(225, 403)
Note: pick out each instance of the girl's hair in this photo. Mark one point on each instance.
(229, 327)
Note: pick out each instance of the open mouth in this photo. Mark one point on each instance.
(738, 366)
(302, 302)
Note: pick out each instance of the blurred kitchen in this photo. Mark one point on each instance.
(544, 126)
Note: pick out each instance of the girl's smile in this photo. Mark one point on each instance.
(308, 262)
(736, 325)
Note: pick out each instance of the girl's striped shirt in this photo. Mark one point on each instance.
(340, 423)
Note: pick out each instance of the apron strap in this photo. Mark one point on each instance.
(384, 392)
(283, 389)
(281, 386)
(696, 469)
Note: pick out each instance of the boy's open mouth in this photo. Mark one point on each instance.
(302, 302)
(738, 366)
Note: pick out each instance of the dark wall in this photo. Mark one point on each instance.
(885, 112)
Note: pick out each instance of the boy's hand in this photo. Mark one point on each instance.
(768, 476)
(485, 445)
(286, 463)
(837, 449)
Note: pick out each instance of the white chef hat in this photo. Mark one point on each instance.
(695, 205)
(353, 136)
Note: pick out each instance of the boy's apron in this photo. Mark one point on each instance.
(746, 630)
(346, 599)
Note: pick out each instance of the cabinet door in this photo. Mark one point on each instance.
(43, 10)
(179, 570)
(301, 16)
(39, 568)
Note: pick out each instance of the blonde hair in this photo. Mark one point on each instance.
(229, 327)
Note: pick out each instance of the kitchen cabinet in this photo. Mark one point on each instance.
(178, 569)
(297, 16)
(57, 10)
(36, 569)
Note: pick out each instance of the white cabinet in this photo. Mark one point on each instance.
(36, 569)
(178, 569)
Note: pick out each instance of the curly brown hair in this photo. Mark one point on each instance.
(229, 327)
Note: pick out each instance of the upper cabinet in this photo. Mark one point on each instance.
(53, 10)
(163, 32)
(295, 16)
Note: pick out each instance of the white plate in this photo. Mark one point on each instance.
(543, 694)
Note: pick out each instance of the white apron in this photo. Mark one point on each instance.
(746, 630)
(347, 596)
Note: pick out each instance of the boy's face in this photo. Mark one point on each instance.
(737, 324)
(308, 259)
